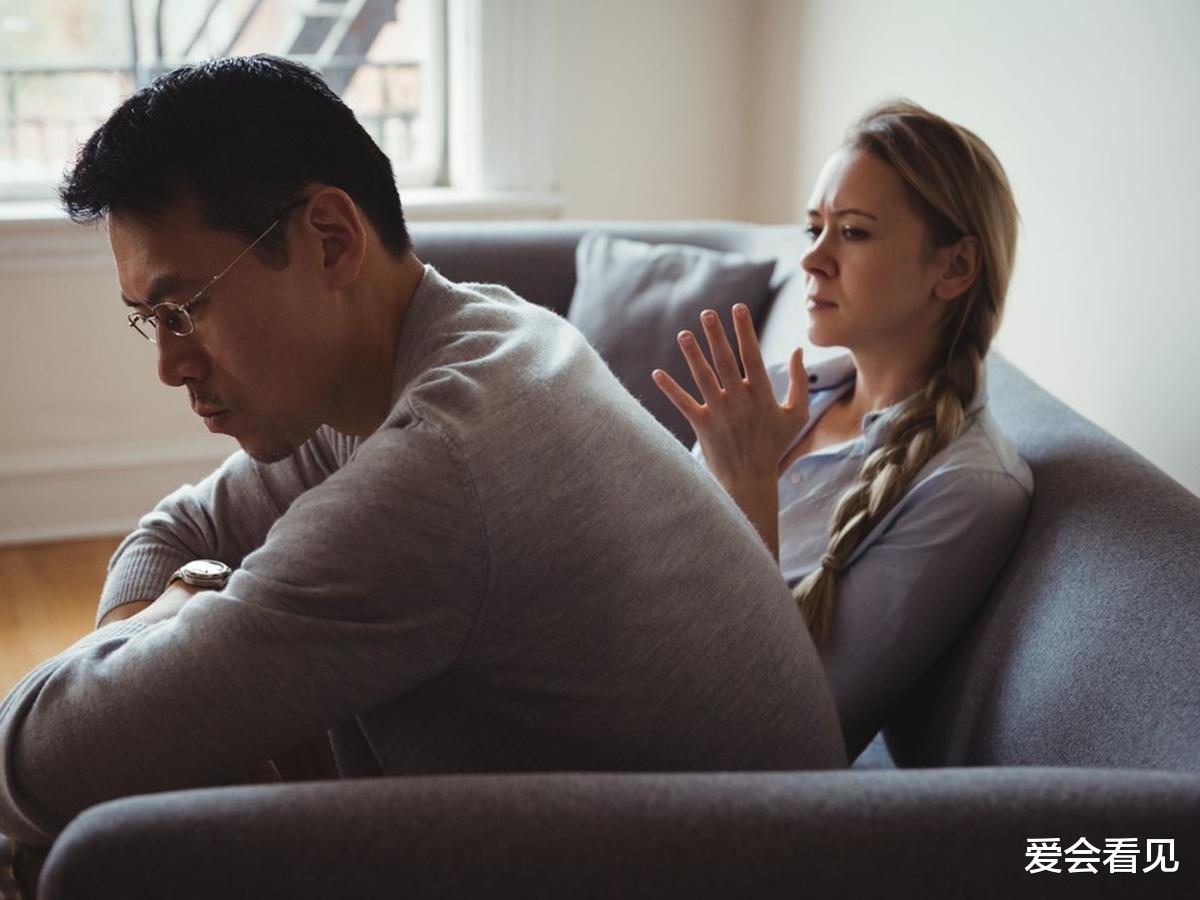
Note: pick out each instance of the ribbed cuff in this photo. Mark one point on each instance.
(120, 630)
(138, 573)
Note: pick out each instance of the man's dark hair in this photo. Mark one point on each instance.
(244, 135)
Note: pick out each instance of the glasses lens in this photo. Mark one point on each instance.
(173, 318)
(143, 326)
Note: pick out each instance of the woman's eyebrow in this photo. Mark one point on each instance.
(849, 210)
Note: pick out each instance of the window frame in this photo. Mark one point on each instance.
(498, 75)
(429, 173)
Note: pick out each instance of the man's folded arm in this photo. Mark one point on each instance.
(225, 516)
(368, 587)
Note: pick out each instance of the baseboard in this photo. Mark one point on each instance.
(94, 491)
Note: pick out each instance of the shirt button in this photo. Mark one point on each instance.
(795, 478)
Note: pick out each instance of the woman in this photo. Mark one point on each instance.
(881, 482)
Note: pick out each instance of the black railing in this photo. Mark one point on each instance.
(42, 123)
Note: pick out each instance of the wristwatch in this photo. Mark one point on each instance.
(210, 574)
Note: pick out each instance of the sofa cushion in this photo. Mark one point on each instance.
(632, 299)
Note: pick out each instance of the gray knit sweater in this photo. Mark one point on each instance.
(519, 570)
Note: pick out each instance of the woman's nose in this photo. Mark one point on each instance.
(818, 260)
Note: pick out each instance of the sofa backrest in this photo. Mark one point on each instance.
(1085, 652)
(537, 259)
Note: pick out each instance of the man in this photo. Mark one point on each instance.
(450, 541)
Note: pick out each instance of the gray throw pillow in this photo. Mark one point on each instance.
(632, 299)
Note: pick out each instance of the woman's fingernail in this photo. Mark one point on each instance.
(708, 316)
(741, 309)
(685, 337)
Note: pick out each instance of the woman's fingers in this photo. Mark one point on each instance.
(682, 400)
(748, 349)
(702, 373)
(719, 347)
(797, 395)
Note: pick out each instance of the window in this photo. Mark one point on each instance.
(68, 63)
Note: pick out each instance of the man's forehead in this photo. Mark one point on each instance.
(172, 233)
(160, 225)
(155, 256)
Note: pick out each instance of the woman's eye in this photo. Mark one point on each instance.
(848, 232)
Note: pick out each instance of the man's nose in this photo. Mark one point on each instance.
(180, 359)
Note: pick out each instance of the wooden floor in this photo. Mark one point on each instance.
(48, 596)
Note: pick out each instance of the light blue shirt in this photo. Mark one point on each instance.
(914, 580)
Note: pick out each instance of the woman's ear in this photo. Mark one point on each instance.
(958, 267)
(339, 229)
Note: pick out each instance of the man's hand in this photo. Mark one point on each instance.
(165, 607)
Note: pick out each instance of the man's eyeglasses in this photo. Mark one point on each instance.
(177, 317)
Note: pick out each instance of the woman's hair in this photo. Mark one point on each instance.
(958, 187)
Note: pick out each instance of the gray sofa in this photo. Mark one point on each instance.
(1069, 708)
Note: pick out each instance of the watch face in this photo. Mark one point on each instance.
(206, 574)
(207, 568)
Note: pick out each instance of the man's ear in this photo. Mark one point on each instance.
(958, 267)
(339, 229)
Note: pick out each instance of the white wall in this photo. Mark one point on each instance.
(653, 108)
(89, 437)
(1092, 107)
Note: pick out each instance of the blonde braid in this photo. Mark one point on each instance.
(924, 426)
(960, 189)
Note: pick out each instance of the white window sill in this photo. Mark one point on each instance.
(420, 204)
(438, 204)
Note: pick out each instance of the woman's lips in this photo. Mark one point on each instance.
(815, 303)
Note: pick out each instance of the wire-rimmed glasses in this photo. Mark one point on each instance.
(177, 317)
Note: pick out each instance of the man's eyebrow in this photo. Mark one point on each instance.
(846, 211)
(161, 286)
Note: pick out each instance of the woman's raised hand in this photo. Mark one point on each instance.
(743, 431)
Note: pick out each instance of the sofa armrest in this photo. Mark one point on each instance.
(928, 833)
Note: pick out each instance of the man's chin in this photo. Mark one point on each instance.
(268, 454)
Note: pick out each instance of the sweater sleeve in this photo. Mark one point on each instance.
(368, 586)
(904, 599)
(225, 517)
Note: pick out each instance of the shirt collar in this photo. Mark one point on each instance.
(838, 372)
(831, 372)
